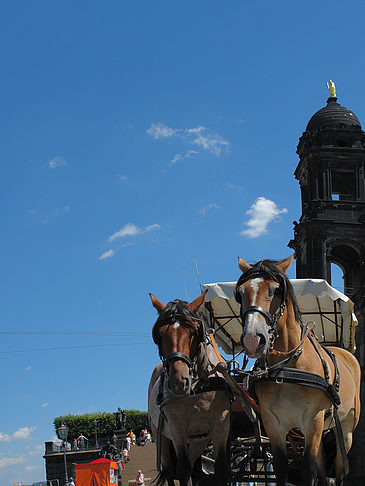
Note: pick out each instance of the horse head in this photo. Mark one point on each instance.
(262, 292)
(179, 334)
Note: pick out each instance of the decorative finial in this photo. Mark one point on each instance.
(332, 88)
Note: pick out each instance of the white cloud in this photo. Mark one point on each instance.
(201, 136)
(160, 130)
(23, 433)
(10, 461)
(194, 131)
(212, 142)
(32, 468)
(20, 434)
(151, 227)
(230, 187)
(180, 157)
(130, 229)
(176, 158)
(56, 162)
(262, 212)
(28, 368)
(36, 450)
(44, 405)
(203, 211)
(122, 178)
(107, 254)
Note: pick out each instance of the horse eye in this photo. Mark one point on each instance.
(273, 289)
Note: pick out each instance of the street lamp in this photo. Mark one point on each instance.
(62, 432)
(96, 432)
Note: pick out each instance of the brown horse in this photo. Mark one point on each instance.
(272, 332)
(187, 405)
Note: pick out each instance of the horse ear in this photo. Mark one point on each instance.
(243, 265)
(157, 304)
(285, 264)
(197, 303)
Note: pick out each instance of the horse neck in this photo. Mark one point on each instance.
(202, 360)
(289, 331)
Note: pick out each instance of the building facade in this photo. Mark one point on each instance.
(331, 229)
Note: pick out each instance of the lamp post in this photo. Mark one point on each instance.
(62, 432)
(96, 432)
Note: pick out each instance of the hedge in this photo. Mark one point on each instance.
(84, 424)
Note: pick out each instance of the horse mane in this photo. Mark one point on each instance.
(174, 310)
(268, 270)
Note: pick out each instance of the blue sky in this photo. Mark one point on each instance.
(136, 136)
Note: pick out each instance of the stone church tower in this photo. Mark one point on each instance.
(331, 229)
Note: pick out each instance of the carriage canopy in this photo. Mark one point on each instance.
(331, 311)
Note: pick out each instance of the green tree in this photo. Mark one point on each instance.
(84, 424)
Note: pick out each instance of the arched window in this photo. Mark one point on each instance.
(346, 258)
(337, 278)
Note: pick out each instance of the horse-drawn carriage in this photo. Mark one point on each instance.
(292, 411)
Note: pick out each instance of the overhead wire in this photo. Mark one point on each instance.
(74, 333)
(71, 347)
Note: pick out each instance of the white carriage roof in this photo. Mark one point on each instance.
(331, 311)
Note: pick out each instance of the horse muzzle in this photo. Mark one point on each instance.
(179, 382)
(255, 339)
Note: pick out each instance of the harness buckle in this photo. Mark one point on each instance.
(279, 380)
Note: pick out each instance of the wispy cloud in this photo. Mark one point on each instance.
(57, 162)
(122, 178)
(201, 136)
(160, 130)
(23, 433)
(180, 157)
(32, 468)
(130, 229)
(203, 211)
(262, 212)
(65, 209)
(11, 461)
(44, 405)
(233, 187)
(107, 254)
(27, 368)
(36, 450)
(212, 142)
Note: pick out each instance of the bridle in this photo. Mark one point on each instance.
(271, 319)
(177, 355)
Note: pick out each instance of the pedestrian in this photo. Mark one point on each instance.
(125, 455)
(71, 482)
(128, 441)
(140, 478)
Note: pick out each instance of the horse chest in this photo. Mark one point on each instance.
(284, 403)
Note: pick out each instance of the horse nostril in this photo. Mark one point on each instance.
(186, 383)
(262, 341)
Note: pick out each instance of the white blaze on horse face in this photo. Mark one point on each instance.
(251, 340)
(176, 325)
(255, 287)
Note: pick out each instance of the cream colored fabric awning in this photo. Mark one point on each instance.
(330, 310)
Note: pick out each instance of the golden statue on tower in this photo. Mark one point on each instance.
(332, 88)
